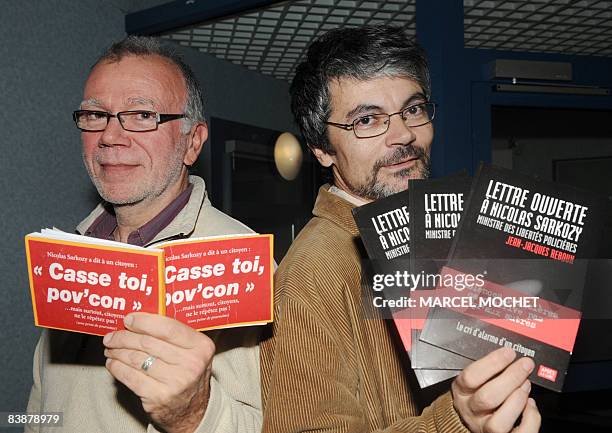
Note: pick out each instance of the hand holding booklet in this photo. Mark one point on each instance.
(504, 257)
(88, 285)
(527, 243)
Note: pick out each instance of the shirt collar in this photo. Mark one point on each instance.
(106, 223)
(346, 196)
(336, 209)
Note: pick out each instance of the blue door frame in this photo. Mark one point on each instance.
(462, 87)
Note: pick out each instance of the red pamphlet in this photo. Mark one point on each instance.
(88, 285)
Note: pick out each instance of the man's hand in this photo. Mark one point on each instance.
(490, 394)
(175, 389)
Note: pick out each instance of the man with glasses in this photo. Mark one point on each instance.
(361, 100)
(142, 128)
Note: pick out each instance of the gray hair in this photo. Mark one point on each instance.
(143, 46)
(360, 53)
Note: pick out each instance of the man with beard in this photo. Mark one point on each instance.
(143, 126)
(361, 99)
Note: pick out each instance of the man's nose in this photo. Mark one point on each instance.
(399, 133)
(113, 134)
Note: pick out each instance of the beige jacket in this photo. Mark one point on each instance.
(92, 401)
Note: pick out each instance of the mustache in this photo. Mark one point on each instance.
(111, 159)
(117, 163)
(400, 154)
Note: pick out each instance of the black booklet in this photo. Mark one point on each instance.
(436, 206)
(518, 265)
(383, 227)
(384, 230)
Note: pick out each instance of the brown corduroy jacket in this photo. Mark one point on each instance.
(329, 366)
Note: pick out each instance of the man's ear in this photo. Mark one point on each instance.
(324, 158)
(197, 137)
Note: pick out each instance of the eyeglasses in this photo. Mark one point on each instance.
(377, 124)
(136, 120)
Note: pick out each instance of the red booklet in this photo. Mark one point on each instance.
(88, 285)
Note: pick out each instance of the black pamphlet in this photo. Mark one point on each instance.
(436, 206)
(383, 226)
(384, 229)
(516, 271)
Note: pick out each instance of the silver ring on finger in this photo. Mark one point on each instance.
(146, 365)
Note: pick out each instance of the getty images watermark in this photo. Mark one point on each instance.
(453, 290)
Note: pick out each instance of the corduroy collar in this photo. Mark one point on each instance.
(330, 206)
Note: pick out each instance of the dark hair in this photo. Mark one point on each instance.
(142, 46)
(360, 53)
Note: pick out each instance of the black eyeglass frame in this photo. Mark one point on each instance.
(351, 126)
(159, 119)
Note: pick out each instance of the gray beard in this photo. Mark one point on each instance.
(373, 190)
(151, 192)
